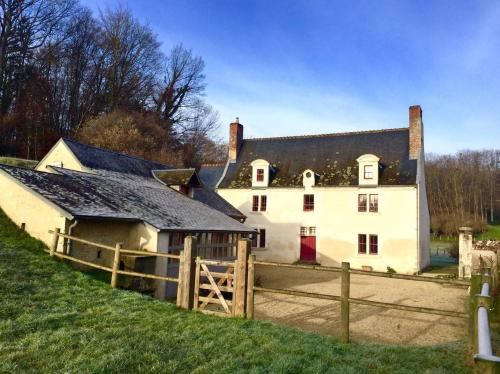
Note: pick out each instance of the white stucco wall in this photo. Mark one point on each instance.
(132, 235)
(24, 206)
(60, 153)
(338, 224)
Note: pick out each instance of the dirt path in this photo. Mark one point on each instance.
(366, 323)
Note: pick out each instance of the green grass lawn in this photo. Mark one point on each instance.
(18, 162)
(493, 232)
(55, 319)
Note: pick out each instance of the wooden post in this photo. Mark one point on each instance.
(188, 272)
(240, 278)
(196, 297)
(116, 265)
(250, 284)
(180, 278)
(344, 304)
(55, 240)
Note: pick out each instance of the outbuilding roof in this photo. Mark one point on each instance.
(101, 159)
(332, 157)
(86, 195)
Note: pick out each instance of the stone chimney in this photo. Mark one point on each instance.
(235, 138)
(416, 141)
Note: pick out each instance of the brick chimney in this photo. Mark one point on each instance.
(235, 138)
(416, 141)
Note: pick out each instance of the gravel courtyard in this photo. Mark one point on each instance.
(366, 323)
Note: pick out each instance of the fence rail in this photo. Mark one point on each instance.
(118, 252)
(344, 297)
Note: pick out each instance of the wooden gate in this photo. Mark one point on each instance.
(214, 287)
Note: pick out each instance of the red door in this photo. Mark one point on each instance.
(308, 248)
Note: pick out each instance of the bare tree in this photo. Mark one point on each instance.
(131, 59)
(182, 86)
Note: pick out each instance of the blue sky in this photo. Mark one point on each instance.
(308, 67)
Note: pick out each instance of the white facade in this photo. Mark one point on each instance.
(390, 230)
(338, 224)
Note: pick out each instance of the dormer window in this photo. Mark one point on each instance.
(260, 173)
(368, 171)
(308, 178)
(368, 165)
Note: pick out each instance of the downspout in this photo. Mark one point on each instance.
(419, 180)
(68, 242)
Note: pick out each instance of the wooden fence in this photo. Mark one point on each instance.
(226, 287)
(189, 275)
(344, 298)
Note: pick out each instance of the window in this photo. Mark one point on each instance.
(374, 203)
(362, 244)
(259, 238)
(308, 231)
(308, 203)
(254, 239)
(373, 244)
(262, 238)
(260, 175)
(255, 203)
(362, 203)
(368, 171)
(263, 203)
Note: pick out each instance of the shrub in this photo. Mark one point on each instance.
(391, 270)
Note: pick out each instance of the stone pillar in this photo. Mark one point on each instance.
(465, 252)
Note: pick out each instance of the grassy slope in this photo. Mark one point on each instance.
(55, 319)
(493, 232)
(18, 162)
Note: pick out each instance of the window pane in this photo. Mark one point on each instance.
(312, 230)
(263, 203)
(255, 203)
(373, 203)
(308, 202)
(362, 243)
(373, 244)
(303, 231)
(260, 175)
(262, 239)
(362, 203)
(254, 239)
(368, 171)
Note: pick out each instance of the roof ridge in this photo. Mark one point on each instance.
(213, 164)
(115, 152)
(330, 134)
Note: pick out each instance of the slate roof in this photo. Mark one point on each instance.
(100, 159)
(134, 169)
(210, 174)
(86, 195)
(214, 200)
(331, 156)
